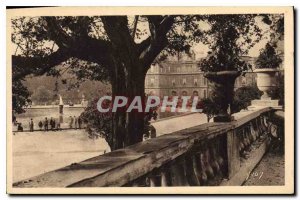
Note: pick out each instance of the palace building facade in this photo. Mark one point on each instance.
(182, 77)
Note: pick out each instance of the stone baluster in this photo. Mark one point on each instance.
(251, 136)
(263, 125)
(214, 157)
(246, 137)
(255, 127)
(241, 139)
(206, 159)
(197, 168)
(165, 175)
(178, 171)
(140, 182)
(246, 141)
(153, 179)
(220, 160)
(260, 132)
(204, 176)
(260, 125)
(191, 170)
(165, 179)
(135, 184)
(253, 132)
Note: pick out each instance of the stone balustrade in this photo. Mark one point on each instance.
(204, 155)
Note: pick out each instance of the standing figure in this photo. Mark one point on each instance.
(40, 125)
(58, 126)
(20, 127)
(79, 122)
(51, 124)
(31, 125)
(46, 124)
(75, 122)
(71, 122)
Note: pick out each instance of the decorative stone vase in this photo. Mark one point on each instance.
(223, 87)
(265, 81)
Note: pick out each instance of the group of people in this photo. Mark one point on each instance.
(76, 121)
(52, 124)
(46, 124)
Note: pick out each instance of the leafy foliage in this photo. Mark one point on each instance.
(20, 97)
(210, 108)
(42, 95)
(278, 91)
(230, 37)
(276, 24)
(268, 58)
(243, 97)
(99, 125)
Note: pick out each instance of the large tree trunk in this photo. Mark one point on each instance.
(129, 63)
(128, 127)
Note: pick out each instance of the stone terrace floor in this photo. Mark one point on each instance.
(270, 171)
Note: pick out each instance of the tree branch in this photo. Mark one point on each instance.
(56, 33)
(88, 49)
(23, 66)
(150, 48)
(92, 50)
(117, 30)
(136, 19)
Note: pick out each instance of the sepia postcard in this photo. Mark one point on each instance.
(150, 100)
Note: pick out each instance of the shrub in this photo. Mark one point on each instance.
(268, 58)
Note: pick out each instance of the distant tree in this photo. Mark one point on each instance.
(100, 124)
(42, 95)
(278, 91)
(268, 58)
(243, 97)
(20, 98)
(209, 106)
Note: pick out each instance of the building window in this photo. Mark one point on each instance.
(174, 93)
(184, 93)
(244, 81)
(152, 82)
(152, 69)
(195, 81)
(184, 81)
(204, 81)
(204, 94)
(195, 93)
(173, 82)
(189, 67)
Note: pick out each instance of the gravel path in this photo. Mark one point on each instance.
(270, 171)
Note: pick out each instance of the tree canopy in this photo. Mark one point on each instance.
(121, 49)
(45, 42)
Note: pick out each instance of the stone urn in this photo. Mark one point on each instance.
(223, 87)
(265, 81)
